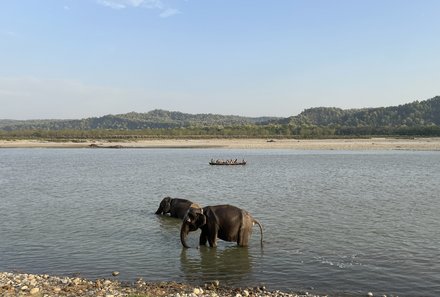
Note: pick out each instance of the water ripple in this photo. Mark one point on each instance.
(342, 222)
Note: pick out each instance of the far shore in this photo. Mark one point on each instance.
(417, 144)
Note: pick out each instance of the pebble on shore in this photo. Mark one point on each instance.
(43, 285)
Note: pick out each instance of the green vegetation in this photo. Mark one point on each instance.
(408, 120)
(156, 119)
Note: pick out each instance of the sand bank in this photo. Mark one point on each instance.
(425, 144)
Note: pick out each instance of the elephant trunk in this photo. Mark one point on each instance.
(159, 210)
(184, 233)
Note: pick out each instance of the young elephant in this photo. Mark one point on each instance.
(226, 222)
(176, 207)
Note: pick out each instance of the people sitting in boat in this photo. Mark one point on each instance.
(227, 162)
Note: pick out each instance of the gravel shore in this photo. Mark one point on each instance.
(43, 285)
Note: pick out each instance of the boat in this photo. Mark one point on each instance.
(227, 162)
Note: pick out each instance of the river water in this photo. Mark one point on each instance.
(339, 222)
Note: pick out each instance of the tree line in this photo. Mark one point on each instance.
(408, 120)
(248, 131)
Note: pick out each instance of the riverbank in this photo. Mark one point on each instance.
(419, 144)
(41, 285)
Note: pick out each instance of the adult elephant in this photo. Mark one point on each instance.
(226, 222)
(176, 207)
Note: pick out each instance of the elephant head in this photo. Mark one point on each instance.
(193, 220)
(164, 206)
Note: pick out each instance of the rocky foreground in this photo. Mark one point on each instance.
(43, 285)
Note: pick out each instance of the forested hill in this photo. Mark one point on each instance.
(417, 118)
(135, 121)
(418, 113)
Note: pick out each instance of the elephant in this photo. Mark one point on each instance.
(176, 207)
(226, 222)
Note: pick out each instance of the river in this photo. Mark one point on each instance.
(340, 222)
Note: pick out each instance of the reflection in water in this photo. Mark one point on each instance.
(168, 223)
(168, 231)
(205, 264)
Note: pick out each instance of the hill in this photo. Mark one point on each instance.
(423, 113)
(419, 118)
(135, 121)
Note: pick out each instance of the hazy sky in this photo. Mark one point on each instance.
(82, 58)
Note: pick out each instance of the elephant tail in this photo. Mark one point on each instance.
(261, 230)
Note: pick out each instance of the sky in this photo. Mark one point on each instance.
(71, 59)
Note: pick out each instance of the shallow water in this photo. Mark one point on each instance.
(335, 221)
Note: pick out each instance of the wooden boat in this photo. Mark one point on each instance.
(227, 162)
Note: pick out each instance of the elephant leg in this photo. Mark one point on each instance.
(241, 238)
(212, 238)
(203, 238)
(244, 232)
(213, 242)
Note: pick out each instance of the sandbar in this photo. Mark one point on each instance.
(418, 144)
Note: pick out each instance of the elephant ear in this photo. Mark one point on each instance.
(166, 204)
